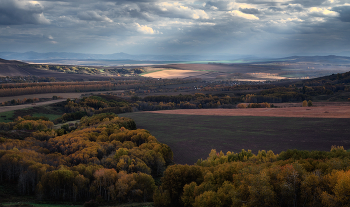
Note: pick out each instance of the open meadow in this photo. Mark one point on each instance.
(191, 137)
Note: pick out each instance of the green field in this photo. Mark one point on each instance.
(191, 137)
(6, 116)
(9, 116)
(50, 116)
(52, 111)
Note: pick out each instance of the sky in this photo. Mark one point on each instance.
(237, 27)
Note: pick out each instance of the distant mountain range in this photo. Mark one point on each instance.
(28, 56)
(124, 58)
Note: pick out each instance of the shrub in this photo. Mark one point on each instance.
(241, 105)
(304, 103)
(91, 203)
(309, 103)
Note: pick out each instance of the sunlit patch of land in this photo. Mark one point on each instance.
(267, 76)
(174, 73)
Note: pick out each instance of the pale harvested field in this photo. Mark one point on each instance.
(310, 112)
(174, 74)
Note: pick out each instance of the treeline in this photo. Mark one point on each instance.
(234, 86)
(23, 101)
(293, 178)
(198, 100)
(78, 108)
(296, 94)
(322, 88)
(105, 158)
(88, 70)
(56, 87)
(27, 101)
(28, 85)
(144, 84)
(340, 78)
(26, 79)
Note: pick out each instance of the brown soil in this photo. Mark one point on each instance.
(191, 137)
(330, 111)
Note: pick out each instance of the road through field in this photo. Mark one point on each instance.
(46, 95)
(311, 112)
(24, 106)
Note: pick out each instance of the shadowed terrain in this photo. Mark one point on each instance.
(17, 68)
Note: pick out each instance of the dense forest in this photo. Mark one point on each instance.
(292, 178)
(105, 156)
(77, 108)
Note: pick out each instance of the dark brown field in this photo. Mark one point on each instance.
(191, 137)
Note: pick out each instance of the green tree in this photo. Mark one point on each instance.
(309, 103)
(208, 198)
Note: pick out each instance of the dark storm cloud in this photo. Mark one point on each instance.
(275, 9)
(249, 11)
(220, 5)
(132, 1)
(308, 3)
(15, 12)
(294, 8)
(323, 38)
(145, 26)
(92, 16)
(344, 13)
(265, 2)
(134, 13)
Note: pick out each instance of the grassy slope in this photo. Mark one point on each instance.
(193, 136)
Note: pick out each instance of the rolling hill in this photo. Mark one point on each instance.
(17, 68)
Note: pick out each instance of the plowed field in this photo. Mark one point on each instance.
(311, 112)
(191, 134)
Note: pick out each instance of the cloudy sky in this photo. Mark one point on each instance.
(247, 27)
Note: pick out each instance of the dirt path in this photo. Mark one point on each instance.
(311, 112)
(45, 95)
(23, 106)
(49, 95)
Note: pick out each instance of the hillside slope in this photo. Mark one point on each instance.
(17, 68)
